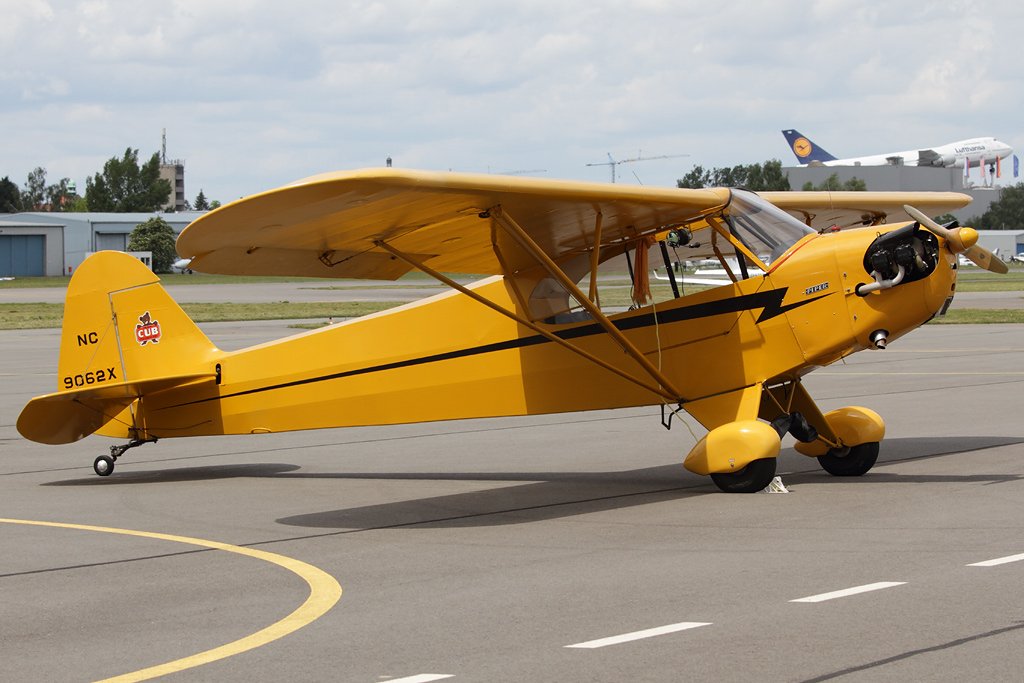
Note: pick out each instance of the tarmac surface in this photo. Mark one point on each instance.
(559, 548)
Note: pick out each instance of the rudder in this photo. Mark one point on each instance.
(805, 150)
(120, 321)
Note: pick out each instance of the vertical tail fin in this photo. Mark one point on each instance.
(122, 337)
(805, 150)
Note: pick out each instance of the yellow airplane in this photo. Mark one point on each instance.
(529, 340)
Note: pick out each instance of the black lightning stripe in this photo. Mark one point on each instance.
(770, 303)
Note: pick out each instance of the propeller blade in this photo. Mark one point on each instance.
(959, 241)
(986, 259)
(962, 241)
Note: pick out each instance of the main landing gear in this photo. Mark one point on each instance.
(851, 461)
(751, 479)
(104, 464)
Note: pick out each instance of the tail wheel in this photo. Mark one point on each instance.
(856, 460)
(103, 465)
(751, 479)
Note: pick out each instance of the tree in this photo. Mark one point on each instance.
(10, 196)
(77, 205)
(767, 177)
(35, 190)
(156, 236)
(201, 203)
(756, 177)
(832, 184)
(124, 186)
(697, 178)
(1006, 213)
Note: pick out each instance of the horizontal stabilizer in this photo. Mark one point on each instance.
(67, 416)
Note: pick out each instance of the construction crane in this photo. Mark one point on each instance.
(639, 157)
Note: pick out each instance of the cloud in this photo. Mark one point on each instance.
(255, 94)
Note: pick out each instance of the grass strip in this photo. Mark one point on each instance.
(975, 316)
(37, 316)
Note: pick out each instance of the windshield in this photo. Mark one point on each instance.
(765, 229)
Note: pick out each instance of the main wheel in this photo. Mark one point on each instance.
(751, 479)
(855, 462)
(103, 465)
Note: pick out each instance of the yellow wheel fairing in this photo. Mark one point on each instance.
(854, 425)
(732, 447)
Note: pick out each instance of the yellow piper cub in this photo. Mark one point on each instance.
(801, 294)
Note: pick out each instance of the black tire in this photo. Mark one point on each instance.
(751, 479)
(103, 465)
(857, 461)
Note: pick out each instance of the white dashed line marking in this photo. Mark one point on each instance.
(1001, 560)
(421, 678)
(850, 591)
(638, 635)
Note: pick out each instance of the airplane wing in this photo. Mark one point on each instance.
(821, 210)
(328, 225)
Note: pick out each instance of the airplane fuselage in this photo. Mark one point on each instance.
(449, 357)
(976, 152)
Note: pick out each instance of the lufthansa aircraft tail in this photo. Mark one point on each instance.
(123, 338)
(805, 150)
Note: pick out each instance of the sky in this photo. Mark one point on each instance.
(255, 95)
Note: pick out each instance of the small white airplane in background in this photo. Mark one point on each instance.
(975, 152)
(182, 266)
(708, 272)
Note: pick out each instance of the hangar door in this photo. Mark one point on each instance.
(22, 255)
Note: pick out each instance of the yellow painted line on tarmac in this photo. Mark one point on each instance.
(324, 592)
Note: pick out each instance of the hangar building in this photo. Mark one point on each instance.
(925, 179)
(1003, 243)
(53, 244)
(900, 178)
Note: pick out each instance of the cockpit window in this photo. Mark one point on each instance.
(762, 227)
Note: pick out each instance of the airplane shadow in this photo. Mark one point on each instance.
(555, 495)
(211, 472)
(543, 496)
(896, 451)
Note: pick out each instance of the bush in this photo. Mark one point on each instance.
(156, 236)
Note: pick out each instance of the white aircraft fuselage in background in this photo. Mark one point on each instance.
(975, 152)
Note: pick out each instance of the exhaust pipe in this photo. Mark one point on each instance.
(879, 339)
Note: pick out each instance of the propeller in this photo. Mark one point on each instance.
(961, 241)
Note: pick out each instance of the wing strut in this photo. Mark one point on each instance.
(595, 258)
(522, 321)
(526, 242)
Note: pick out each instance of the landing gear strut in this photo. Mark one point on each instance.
(104, 464)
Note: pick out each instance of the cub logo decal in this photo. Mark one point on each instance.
(148, 330)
